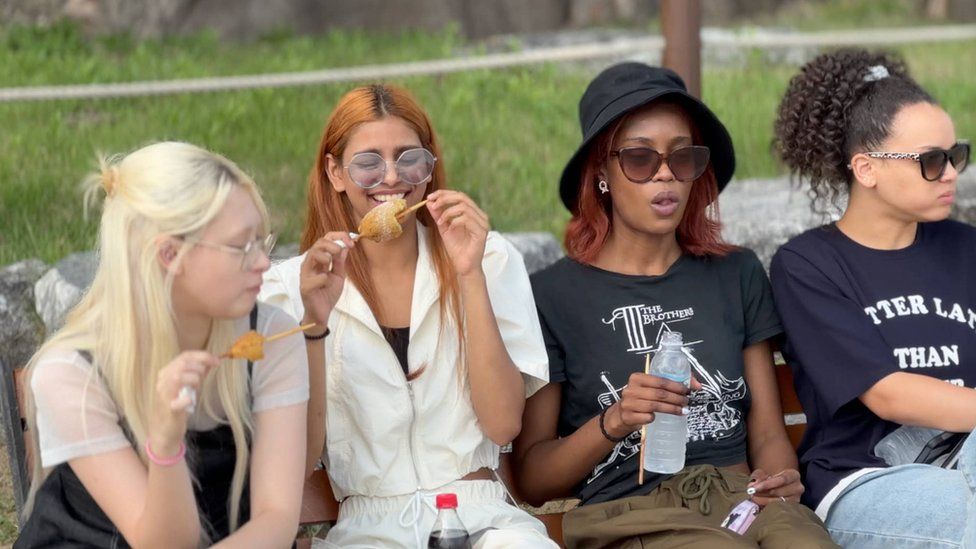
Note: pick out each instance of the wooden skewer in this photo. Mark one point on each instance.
(287, 333)
(640, 462)
(405, 213)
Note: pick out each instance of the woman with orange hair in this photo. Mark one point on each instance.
(427, 352)
(646, 258)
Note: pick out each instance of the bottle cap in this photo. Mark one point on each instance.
(671, 338)
(447, 501)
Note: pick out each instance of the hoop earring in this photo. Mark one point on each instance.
(602, 185)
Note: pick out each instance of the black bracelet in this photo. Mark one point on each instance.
(603, 428)
(318, 337)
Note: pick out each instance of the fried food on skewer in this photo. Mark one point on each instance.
(382, 223)
(250, 346)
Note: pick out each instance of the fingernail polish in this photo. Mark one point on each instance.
(685, 410)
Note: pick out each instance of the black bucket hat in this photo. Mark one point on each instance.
(622, 88)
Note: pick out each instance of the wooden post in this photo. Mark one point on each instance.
(14, 436)
(681, 21)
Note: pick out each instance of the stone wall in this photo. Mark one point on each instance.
(35, 297)
(242, 19)
(758, 214)
(246, 18)
(762, 214)
(21, 328)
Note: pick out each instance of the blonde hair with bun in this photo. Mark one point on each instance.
(125, 320)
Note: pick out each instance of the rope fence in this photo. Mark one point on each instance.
(574, 53)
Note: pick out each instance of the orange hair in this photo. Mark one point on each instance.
(329, 210)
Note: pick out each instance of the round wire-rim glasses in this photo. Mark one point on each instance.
(413, 166)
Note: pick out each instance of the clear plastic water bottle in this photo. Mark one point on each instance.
(448, 532)
(904, 444)
(667, 435)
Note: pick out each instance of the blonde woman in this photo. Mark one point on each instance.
(144, 438)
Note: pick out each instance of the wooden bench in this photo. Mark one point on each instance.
(318, 488)
(14, 427)
(319, 505)
(793, 416)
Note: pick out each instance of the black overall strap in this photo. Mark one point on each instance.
(250, 364)
(214, 453)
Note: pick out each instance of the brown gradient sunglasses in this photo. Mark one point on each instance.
(640, 164)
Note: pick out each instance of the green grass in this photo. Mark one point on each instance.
(62, 54)
(8, 510)
(505, 133)
(846, 14)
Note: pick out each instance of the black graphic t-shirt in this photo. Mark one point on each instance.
(599, 326)
(853, 315)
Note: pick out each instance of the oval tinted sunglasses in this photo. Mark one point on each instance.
(413, 167)
(933, 163)
(641, 164)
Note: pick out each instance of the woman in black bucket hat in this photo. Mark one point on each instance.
(627, 86)
(645, 257)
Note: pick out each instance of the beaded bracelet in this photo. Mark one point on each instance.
(165, 462)
(318, 337)
(603, 428)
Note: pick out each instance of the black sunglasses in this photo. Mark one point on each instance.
(933, 163)
(640, 164)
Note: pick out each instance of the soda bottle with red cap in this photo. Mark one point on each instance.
(448, 532)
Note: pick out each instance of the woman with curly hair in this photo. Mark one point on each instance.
(880, 307)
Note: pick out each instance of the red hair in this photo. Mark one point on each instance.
(329, 210)
(699, 233)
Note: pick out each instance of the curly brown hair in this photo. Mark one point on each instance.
(831, 112)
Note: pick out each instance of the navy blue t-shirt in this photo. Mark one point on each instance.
(854, 315)
(599, 326)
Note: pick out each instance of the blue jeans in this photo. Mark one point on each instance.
(916, 506)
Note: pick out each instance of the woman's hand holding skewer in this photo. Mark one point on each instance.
(323, 274)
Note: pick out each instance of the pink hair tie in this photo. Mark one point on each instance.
(165, 462)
